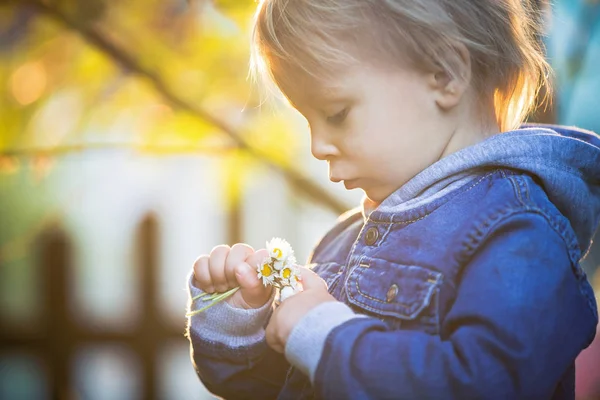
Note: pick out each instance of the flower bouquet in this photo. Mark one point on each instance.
(278, 270)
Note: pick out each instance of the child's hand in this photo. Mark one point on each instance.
(287, 315)
(226, 268)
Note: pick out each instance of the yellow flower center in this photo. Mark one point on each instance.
(278, 253)
(266, 270)
(287, 273)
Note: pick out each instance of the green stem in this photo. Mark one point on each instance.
(215, 299)
(206, 296)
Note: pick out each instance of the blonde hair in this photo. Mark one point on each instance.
(318, 36)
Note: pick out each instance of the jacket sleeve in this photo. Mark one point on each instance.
(521, 315)
(229, 352)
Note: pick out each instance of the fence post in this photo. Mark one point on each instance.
(150, 332)
(58, 330)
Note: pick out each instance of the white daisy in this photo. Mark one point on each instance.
(289, 275)
(286, 292)
(291, 259)
(266, 272)
(279, 249)
(278, 265)
(294, 282)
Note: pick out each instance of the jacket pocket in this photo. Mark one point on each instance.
(404, 296)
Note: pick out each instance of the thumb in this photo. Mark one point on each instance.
(310, 280)
(252, 290)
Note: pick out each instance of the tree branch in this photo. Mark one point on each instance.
(120, 56)
(166, 149)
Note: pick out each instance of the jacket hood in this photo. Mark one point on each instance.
(565, 160)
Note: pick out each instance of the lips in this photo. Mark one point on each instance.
(348, 183)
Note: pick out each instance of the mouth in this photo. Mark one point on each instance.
(348, 183)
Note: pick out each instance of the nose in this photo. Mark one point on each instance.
(321, 147)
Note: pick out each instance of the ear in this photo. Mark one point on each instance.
(449, 89)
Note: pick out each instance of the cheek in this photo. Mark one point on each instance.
(386, 136)
(383, 138)
(373, 126)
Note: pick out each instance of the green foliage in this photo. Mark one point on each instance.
(63, 88)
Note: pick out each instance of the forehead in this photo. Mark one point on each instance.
(301, 87)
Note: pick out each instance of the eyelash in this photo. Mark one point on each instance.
(340, 117)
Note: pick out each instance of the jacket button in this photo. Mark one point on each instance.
(371, 236)
(391, 293)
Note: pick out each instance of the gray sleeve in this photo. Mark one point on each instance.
(307, 340)
(222, 323)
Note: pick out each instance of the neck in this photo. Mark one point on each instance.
(471, 124)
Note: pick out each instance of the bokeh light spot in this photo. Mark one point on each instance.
(28, 82)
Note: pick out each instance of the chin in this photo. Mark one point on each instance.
(377, 196)
(372, 197)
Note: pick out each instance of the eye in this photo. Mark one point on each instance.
(340, 117)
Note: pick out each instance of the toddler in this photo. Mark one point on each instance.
(459, 276)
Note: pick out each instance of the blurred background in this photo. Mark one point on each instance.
(131, 142)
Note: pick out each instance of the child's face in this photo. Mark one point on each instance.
(376, 127)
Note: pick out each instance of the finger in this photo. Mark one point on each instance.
(253, 292)
(201, 274)
(271, 335)
(310, 280)
(218, 255)
(237, 255)
(256, 259)
(278, 348)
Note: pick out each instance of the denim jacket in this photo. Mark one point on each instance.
(464, 283)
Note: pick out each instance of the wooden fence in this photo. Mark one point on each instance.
(58, 335)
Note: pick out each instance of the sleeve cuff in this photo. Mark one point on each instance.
(222, 323)
(307, 340)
